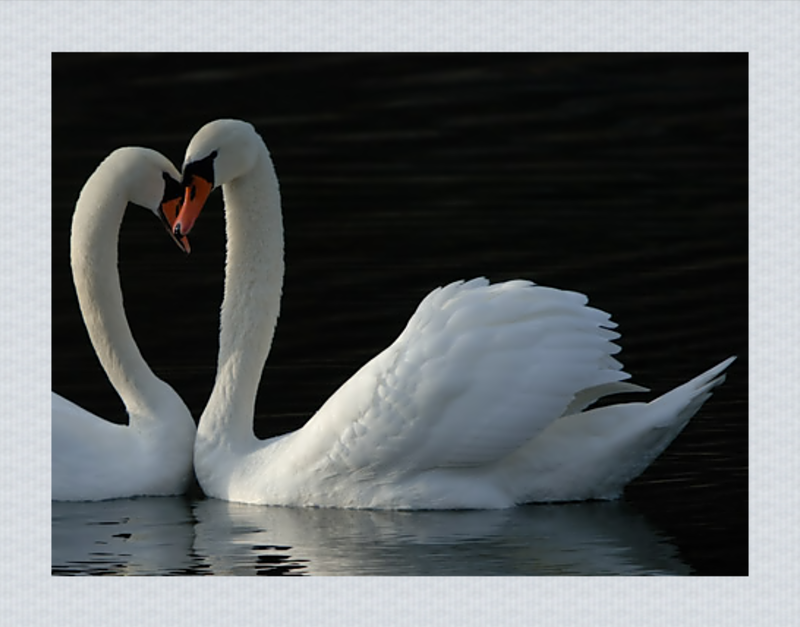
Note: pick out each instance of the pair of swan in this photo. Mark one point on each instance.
(479, 403)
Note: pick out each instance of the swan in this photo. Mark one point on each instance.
(93, 459)
(480, 403)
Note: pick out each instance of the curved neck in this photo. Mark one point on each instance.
(251, 304)
(93, 254)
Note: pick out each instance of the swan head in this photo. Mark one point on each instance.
(220, 152)
(169, 209)
(152, 182)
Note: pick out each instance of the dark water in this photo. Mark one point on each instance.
(620, 176)
(177, 536)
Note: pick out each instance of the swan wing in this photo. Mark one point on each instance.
(478, 371)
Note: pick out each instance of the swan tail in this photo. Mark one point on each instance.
(596, 453)
(680, 404)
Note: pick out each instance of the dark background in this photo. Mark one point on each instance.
(622, 176)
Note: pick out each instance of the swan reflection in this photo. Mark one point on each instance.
(141, 536)
(602, 538)
(175, 536)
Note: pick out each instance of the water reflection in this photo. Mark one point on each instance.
(180, 536)
(148, 536)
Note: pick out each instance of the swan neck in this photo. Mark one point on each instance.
(93, 256)
(253, 282)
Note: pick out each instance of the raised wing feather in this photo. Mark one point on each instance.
(478, 371)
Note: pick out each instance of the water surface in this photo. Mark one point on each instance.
(177, 536)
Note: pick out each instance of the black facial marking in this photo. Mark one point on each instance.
(172, 188)
(203, 168)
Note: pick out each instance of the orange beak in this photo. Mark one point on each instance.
(197, 192)
(169, 215)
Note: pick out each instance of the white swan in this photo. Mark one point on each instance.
(93, 459)
(478, 403)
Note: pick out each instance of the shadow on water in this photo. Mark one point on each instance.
(177, 536)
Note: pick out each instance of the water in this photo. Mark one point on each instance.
(620, 176)
(178, 536)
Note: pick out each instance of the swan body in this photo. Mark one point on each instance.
(93, 459)
(479, 403)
